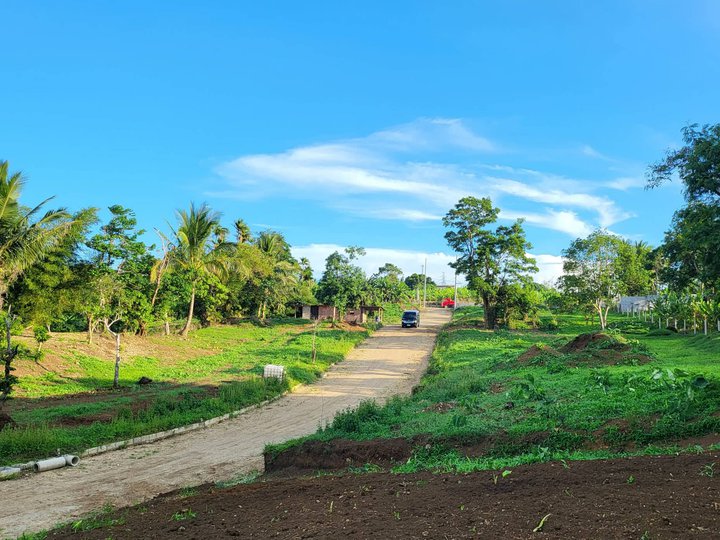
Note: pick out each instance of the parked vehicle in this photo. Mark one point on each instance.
(411, 317)
(448, 303)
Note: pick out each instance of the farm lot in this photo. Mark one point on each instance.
(65, 400)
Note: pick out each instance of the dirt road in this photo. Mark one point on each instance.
(388, 363)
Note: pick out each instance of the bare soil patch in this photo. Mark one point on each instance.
(585, 341)
(339, 454)
(537, 350)
(665, 497)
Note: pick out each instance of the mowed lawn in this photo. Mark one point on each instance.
(632, 392)
(64, 401)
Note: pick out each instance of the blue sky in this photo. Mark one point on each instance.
(360, 123)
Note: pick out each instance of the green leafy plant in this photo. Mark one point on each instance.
(529, 389)
(503, 474)
(183, 515)
(708, 470)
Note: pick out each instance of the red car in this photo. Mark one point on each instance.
(447, 303)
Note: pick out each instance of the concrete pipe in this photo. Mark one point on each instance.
(7, 472)
(50, 464)
(71, 460)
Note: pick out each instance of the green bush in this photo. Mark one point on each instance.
(549, 323)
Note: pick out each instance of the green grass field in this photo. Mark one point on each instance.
(185, 389)
(654, 396)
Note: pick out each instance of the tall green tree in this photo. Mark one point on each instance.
(193, 251)
(414, 281)
(26, 237)
(490, 259)
(590, 272)
(342, 283)
(690, 245)
(27, 234)
(635, 268)
(118, 253)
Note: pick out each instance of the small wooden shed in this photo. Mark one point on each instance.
(319, 312)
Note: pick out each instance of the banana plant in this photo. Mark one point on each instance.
(706, 309)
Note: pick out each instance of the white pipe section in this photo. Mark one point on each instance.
(49, 464)
(56, 463)
(9, 471)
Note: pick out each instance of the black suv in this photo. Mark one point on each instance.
(411, 317)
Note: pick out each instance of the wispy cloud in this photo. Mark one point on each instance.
(607, 210)
(626, 182)
(564, 221)
(589, 151)
(416, 172)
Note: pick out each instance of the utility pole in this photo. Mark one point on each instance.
(455, 298)
(425, 286)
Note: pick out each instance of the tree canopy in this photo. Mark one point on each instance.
(490, 259)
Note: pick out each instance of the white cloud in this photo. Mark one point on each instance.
(563, 221)
(405, 214)
(432, 134)
(589, 151)
(608, 212)
(387, 175)
(626, 182)
(549, 268)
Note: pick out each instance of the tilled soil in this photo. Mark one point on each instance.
(646, 497)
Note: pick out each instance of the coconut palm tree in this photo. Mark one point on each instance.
(242, 231)
(193, 248)
(26, 234)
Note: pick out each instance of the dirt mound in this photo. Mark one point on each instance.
(339, 454)
(650, 497)
(5, 420)
(593, 341)
(596, 348)
(537, 350)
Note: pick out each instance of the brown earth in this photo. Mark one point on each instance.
(586, 344)
(535, 351)
(390, 362)
(339, 454)
(584, 341)
(667, 497)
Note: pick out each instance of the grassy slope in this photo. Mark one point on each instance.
(177, 397)
(569, 407)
